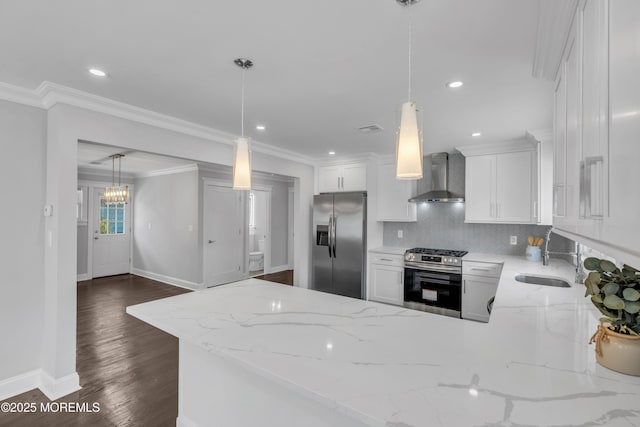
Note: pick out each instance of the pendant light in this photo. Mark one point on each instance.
(409, 142)
(116, 193)
(242, 159)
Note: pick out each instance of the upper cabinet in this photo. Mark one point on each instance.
(596, 127)
(347, 177)
(501, 187)
(393, 196)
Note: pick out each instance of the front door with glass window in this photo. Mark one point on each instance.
(111, 237)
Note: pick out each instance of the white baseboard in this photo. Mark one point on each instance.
(183, 421)
(54, 389)
(168, 279)
(279, 268)
(19, 384)
(82, 277)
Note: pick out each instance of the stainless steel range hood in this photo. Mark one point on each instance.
(439, 182)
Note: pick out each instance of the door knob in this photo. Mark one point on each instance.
(212, 241)
(95, 238)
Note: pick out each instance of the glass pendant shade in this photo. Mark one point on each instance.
(409, 144)
(242, 165)
(116, 194)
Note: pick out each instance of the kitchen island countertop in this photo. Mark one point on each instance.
(389, 366)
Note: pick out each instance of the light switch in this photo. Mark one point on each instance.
(400, 234)
(149, 226)
(513, 240)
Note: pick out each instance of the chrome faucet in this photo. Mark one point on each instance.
(580, 273)
(545, 255)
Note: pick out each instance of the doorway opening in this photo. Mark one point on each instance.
(259, 231)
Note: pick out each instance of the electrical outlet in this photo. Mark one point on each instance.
(400, 234)
(513, 240)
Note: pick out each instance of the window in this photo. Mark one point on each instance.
(252, 210)
(112, 218)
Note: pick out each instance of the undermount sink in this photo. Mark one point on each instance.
(542, 280)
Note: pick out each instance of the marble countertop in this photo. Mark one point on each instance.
(391, 250)
(531, 365)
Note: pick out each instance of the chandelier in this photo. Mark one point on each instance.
(116, 193)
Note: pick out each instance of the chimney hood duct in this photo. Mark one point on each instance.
(439, 182)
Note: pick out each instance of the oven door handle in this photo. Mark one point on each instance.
(440, 282)
(437, 268)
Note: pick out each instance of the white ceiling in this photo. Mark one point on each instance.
(322, 68)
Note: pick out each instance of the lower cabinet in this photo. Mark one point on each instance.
(479, 289)
(386, 278)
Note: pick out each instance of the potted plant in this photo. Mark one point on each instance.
(616, 294)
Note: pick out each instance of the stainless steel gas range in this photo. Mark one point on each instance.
(433, 280)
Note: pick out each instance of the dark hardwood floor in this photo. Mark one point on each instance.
(129, 367)
(284, 277)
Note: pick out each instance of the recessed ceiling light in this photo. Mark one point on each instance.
(455, 84)
(332, 153)
(97, 72)
(475, 134)
(260, 127)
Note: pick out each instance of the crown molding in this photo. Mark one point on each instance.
(103, 173)
(355, 158)
(498, 147)
(539, 135)
(169, 171)
(20, 95)
(48, 94)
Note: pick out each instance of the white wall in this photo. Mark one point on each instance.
(165, 226)
(22, 170)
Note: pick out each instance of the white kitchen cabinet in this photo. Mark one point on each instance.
(500, 188)
(393, 196)
(386, 278)
(348, 177)
(620, 227)
(599, 126)
(479, 286)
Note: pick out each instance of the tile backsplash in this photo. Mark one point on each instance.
(441, 225)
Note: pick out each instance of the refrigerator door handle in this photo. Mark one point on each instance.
(329, 233)
(335, 223)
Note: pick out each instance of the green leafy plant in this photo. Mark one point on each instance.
(616, 293)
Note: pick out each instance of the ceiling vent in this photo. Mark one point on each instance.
(370, 128)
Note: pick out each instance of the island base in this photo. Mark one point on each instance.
(214, 391)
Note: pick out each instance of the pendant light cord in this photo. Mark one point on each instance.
(119, 170)
(410, 42)
(113, 171)
(242, 107)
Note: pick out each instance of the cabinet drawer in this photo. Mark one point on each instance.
(387, 259)
(487, 269)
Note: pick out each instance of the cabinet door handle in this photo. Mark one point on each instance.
(338, 183)
(342, 182)
(535, 209)
(386, 259)
(480, 269)
(464, 286)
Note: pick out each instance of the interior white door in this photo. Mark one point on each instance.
(111, 237)
(223, 235)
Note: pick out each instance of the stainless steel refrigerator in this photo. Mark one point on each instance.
(340, 230)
